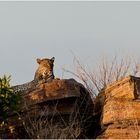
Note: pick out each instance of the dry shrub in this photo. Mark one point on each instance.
(42, 124)
(104, 72)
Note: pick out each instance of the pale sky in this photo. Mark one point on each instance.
(30, 30)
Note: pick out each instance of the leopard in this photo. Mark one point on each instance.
(45, 69)
(44, 74)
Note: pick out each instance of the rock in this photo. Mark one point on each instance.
(62, 90)
(65, 100)
(119, 105)
(114, 114)
(57, 89)
(127, 87)
(122, 130)
(116, 110)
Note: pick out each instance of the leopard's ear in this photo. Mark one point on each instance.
(38, 60)
(52, 59)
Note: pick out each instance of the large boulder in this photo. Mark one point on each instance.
(119, 105)
(65, 103)
(66, 91)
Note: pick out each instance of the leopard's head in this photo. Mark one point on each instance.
(45, 67)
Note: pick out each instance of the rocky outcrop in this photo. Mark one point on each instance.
(119, 105)
(57, 90)
(65, 103)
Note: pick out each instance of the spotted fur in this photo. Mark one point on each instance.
(44, 73)
(45, 68)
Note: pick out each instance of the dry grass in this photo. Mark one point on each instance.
(41, 124)
(54, 126)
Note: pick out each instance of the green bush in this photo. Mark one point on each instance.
(8, 100)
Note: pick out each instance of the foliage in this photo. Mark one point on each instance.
(8, 100)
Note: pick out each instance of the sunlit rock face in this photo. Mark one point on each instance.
(66, 97)
(65, 101)
(113, 114)
(120, 109)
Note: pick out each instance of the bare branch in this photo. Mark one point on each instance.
(104, 73)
